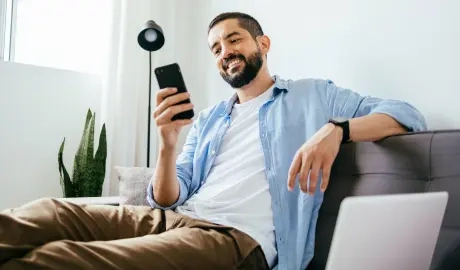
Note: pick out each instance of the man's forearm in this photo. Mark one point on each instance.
(374, 127)
(165, 183)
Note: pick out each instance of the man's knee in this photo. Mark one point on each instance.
(38, 207)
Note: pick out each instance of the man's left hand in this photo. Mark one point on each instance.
(318, 153)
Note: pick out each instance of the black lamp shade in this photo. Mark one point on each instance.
(151, 37)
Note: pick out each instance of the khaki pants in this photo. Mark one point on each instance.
(53, 234)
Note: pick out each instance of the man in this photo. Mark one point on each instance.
(245, 191)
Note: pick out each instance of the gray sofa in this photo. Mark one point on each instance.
(415, 162)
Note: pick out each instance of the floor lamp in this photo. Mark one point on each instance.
(150, 38)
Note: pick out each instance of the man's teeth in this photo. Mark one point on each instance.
(234, 62)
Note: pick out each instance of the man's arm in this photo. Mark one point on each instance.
(166, 188)
(169, 186)
(374, 127)
(371, 127)
(370, 119)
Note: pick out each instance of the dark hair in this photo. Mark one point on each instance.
(246, 21)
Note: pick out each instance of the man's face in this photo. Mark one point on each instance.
(238, 55)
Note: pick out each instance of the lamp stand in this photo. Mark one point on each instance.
(150, 109)
(151, 38)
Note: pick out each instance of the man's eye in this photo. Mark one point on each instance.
(217, 51)
(234, 40)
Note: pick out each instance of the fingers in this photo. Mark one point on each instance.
(325, 177)
(163, 93)
(170, 101)
(304, 171)
(294, 170)
(309, 169)
(315, 167)
(166, 115)
(166, 106)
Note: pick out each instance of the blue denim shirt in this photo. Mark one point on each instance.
(296, 110)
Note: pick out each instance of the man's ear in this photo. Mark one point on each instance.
(264, 44)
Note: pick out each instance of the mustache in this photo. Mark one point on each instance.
(231, 58)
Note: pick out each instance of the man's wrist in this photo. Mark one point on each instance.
(167, 151)
(338, 131)
(344, 126)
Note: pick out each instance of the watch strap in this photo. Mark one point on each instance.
(345, 125)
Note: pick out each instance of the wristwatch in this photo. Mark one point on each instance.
(345, 125)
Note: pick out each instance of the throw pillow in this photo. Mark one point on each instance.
(133, 182)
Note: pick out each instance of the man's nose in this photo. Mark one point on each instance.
(227, 51)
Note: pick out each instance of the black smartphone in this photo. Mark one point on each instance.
(171, 76)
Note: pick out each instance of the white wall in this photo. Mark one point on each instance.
(38, 108)
(400, 49)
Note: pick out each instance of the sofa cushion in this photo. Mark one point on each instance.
(133, 182)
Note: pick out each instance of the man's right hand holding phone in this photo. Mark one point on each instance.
(166, 186)
(168, 130)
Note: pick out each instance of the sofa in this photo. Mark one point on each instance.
(414, 162)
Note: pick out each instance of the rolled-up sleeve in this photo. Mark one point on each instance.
(349, 104)
(184, 170)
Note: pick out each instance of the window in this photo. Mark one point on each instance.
(64, 34)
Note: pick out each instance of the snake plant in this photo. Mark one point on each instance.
(89, 168)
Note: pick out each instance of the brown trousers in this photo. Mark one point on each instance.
(53, 234)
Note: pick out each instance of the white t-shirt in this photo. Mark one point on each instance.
(236, 191)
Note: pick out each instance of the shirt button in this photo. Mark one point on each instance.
(213, 152)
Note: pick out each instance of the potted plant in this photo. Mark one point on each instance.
(89, 168)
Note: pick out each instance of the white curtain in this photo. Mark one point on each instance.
(124, 107)
(125, 94)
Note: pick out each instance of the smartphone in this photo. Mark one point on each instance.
(171, 76)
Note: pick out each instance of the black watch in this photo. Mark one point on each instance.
(345, 125)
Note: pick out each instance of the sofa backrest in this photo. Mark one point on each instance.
(414, 162)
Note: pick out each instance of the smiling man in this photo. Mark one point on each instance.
(261, 161)
(246, 189)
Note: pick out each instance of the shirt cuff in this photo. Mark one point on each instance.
(409, 118)
(154, 204)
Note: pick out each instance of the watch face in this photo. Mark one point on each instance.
(339, 119)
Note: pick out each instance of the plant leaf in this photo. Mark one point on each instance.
(100, 163)
(89, 169)
(84, 156)
(66, 184)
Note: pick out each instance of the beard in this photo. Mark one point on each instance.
(250, 70)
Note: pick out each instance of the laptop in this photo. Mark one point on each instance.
(397, 232)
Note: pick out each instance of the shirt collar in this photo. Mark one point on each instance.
(280, 85)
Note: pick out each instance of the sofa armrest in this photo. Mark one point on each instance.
(113, 200)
